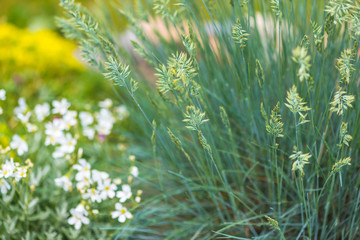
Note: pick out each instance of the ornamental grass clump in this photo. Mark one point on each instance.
(233, 104)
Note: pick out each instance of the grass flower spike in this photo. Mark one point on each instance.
(272, 222)
(182, 70)
(300, 159)
(340, 164)
(341, 102)
(239, 34)
(340, 10)
(355, 26)
(177, 75)
(194, 118)
(274, 126)
(345, 65)
(259, 73)
(296, 105)
(116, 72)
(300, 56)
(275, 7)
(345, 138)
(318, 36)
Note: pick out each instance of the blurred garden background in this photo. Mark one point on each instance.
(37, 61)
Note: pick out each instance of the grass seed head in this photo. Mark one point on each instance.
(341, 102)
(340, 164)
(239, 34)
(300, 159)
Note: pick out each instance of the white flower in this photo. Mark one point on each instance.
(78, 216)
(31, 127)
(89, 132)
(137, 199)
(42, 111)
(104, 128)
(83, 170)
(8, 169)
(121, 213)
(54, 131)
(99, 176)
(2, 94)
(70, 119)
(125, 194)
(107, 103)
(68, 144)
(19, 144)
(20, 173)
(60, 107)
(24, 118)
(51, 140)
(21, 111)
(107, 189)
(117, 181)
(93, 194)
(58, 153)
(83, 184)
(4, 186)
(134, 171)
(86, 118)
(63, 182)
(105, 122)
(122, 112)
(105, 115)
(21, 108)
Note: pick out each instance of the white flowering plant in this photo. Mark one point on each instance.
(48, 189)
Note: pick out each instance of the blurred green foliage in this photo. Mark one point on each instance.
(35, 13)
(31, 45)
